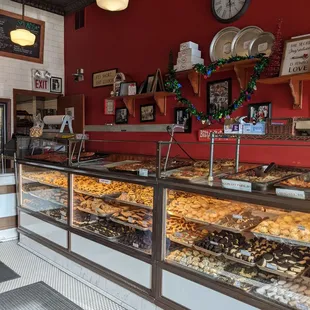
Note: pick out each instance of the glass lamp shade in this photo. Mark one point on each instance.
(22, 37)
(113, 5)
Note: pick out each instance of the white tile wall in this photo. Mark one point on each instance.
(16, 73)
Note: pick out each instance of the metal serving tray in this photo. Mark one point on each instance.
(49, 200)
(97, 232)
(278, 273)
(130, 225)
(43, 183)
(258, 186)
(240, 261)
(206, 251)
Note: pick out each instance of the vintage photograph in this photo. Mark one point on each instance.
(147, 113)
(121, 116)
(259, 112)
(183, 117)
(56, 85)
(219, 95)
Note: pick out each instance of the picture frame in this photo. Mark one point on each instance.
(56, 85)
(219, 95)
(104, 78)
(109, 107)
(150, 83)
(121, 116)
(259, 112)
(296, 56)
(147, 113)
(182, 116)
(142, 87)
(124, 88)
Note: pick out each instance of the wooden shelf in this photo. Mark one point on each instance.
(194, 78)
(295, 82)
(159, 97)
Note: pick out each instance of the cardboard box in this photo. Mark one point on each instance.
(183, 67)
(190, 44)
(189, 52)
(251, 129)
(232, 126)
(190, 59)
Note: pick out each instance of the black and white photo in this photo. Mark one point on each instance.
(147, 113)
(183, 117)
(218, 95)
(56, 85)
(121, 116)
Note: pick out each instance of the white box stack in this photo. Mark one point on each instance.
(188, 56)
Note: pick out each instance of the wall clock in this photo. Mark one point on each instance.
(228, 11)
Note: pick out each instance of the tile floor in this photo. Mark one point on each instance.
(33, 269)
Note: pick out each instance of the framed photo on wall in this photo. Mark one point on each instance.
(183, 117)
(147, 113)
(259, 112)
(109, 107)
(121, 116)
(56, 85)
(219, 95)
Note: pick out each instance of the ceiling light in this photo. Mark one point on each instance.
(113, 5)
(22, 36)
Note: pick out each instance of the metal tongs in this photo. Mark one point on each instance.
(261, 172)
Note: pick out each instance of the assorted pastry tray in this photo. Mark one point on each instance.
(43, 182)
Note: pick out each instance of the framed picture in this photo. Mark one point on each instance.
(150, 83)
(296, 55)
(128, 88)
(104, 78)
(121, 116)
(218, 95)
(109, 107)
(259, 112)
(183, 117)
(142, 88)
(147, 113)
(56, 85)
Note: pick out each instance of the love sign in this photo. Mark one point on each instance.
(296, 56)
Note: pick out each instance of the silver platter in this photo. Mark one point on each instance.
(241, 42)
(222, 42)
(262, 44)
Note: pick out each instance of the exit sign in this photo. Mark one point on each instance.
(40, 80)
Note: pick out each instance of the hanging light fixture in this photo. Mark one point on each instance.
(113, 5)
(23, 36)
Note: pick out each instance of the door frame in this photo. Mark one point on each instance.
(32, 93)
(8, 109)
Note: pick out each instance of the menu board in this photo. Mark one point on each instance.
(10, 21)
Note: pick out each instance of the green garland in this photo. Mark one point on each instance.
(174, 86)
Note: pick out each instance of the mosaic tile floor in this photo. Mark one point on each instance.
(33, 269)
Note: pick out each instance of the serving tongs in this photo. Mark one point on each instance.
(261, 172)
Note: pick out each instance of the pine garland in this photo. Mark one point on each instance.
(174, 86)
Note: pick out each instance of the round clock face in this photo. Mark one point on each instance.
(227, 11)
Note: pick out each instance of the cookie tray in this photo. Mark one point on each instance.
(49, 200)
(89, 194)
(130, 225)
(206, 251)
(96, 232)
(240, 261)
(278, 273)
(43, 183)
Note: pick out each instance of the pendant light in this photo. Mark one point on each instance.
(113, 5)
(23, 36)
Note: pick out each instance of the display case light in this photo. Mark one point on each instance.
(113, 5)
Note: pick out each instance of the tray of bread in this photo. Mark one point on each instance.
(261, 178)
(292, 228)
(297, 187)
(141, 219)
(50, 178)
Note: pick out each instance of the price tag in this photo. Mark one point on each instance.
(246, 44)
(262, 47)
(237, 216)
(237, 185)
(291, 193)
(136, 245)
(237, 284)
(144, 224)
(227, 48)
(143, 173)
(302, 306)
(130, 220)
(300, 227)
(214, 243)
(270, 266)
(96, 231)
(245, 253)
(104, 181)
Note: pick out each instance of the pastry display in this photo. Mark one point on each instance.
(108, 229)
(138, 239)
(139, 218)
(59, 157)
(54, 178)
(57, 214)
(139, 194)
(294, 226)
(286, 260)
(37, 205)
(302, 181)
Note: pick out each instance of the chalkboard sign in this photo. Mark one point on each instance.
(10, 21)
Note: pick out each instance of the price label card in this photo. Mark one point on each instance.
(245, 253)
(136, 245)
(130, 220)
(237, 216)
(270, 266)
(291, 193)
(262, 47)
(214, 243)
(237, 185)
(104, 181)
(237, 284)
(143, 173)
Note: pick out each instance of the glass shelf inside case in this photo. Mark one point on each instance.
(219, 238)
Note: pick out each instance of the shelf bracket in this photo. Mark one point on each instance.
(242, 76)
(161, 103)
(195, 80)
(297, 93)
(130, 105)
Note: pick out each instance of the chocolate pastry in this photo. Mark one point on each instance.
(262, 262)
(268, 257)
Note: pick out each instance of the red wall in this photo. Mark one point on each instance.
(138, 41)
